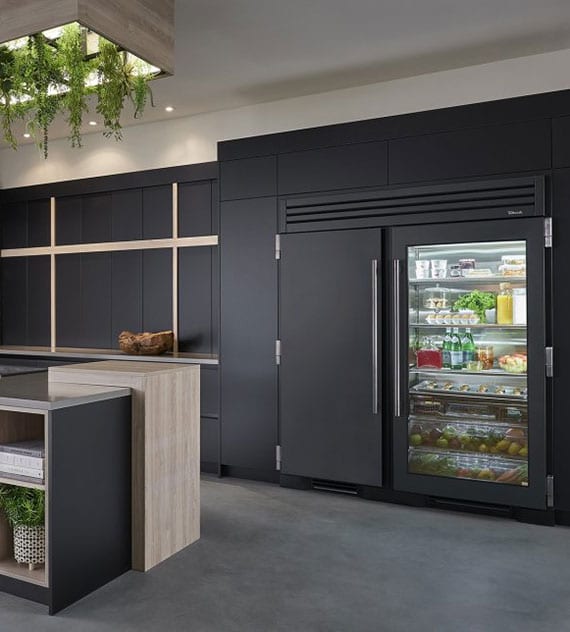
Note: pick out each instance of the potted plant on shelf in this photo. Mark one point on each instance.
(25, 511)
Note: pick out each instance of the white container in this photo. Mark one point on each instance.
(422, 269)
(519, 306)
(491, 316)
(438, 268)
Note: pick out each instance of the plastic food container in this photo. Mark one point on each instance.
(513, 260)
(440, 298)
(508, 270)
(519, 306)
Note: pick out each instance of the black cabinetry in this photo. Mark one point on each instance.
(329, 377)
(248, 335)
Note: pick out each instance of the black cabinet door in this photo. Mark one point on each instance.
(248, 334)
(330, 422)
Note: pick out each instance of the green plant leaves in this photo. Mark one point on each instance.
(45, 78)
(23, 506)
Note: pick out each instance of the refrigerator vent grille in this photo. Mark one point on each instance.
(334, 486)
(466, 201)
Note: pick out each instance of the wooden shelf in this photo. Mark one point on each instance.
(10, 568)
(6, 480)
(107, 354)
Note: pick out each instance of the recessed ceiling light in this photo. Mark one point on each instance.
(169, 108)
(26, 135)
(93, 123)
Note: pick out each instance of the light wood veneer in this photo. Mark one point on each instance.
(143, 27)
(166, 450)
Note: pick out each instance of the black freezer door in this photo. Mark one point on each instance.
(469, 410)
(329, 376)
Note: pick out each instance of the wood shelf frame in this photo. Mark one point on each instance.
(174, 243)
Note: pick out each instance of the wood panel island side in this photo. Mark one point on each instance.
(165, 450)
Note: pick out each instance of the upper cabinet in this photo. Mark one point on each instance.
(494, 149)
(26, 224)
(345, 167)
(248, 178)
(561, 142)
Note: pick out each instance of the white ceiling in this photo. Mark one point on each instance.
(231, 53)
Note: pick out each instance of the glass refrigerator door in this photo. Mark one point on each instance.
(468, 355)
(467, 410)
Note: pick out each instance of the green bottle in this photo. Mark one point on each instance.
(468, 346)
(456, 350)
(446, 350)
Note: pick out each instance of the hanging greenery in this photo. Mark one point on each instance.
(42, 78)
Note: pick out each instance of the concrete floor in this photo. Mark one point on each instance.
(273, 560)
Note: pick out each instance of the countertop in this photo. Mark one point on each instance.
(34, 391)
(107, 354)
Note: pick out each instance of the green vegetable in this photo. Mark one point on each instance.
(477, 301)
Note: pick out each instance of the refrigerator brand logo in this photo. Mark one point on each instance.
(514, 212)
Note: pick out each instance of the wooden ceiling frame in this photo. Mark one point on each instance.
(142, 27)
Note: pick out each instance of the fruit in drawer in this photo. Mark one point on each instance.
(515, 434)
(454, 444)
(523, 451)
(435, 434)
(442, 442)
(503, 445)
(449, 432)
(416, 439)
(486, 475)
(514, 448)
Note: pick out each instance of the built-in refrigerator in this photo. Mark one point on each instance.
(470, 361)
(414, 349)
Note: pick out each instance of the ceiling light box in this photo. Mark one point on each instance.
(142, 27)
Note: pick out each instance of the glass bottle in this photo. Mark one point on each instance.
(446, 349)
(468, 348)
(429, 356)
(505, 304)
(456, 351)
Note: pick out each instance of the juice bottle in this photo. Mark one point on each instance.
(446, 349)
(505, 305)
(456, 351)
(468, 347)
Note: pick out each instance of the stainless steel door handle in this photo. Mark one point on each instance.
(375, 336)
(397, 376)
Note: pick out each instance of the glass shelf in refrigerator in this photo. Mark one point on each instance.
(483, 373)
(491, 326)
(482, 280)
(462, 410)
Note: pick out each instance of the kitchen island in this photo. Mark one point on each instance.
(86, 433)
(165, 449)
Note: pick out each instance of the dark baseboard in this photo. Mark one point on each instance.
(208, 467)
(250, 473)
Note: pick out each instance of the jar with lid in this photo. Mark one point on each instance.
(519, 306)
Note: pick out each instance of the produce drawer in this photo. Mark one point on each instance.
(476, 438)
(486, 468)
